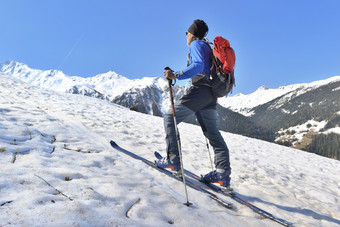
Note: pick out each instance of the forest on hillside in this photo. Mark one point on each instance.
(327, 145)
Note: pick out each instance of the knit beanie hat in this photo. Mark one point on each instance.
(199, 29)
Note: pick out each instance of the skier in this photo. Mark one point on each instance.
(199, 100)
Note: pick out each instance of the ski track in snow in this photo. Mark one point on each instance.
(63, 139)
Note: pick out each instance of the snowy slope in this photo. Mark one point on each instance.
(56, 140)
(244, 103)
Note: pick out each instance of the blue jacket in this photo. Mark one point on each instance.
(200, 60)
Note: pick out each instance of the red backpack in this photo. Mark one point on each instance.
(221, 76)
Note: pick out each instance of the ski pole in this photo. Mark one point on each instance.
(212, 168)
(178, 139)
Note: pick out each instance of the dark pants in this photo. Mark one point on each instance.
(199, 101)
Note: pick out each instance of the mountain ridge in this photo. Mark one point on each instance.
(109, 85)
(264, 94)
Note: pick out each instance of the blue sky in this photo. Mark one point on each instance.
(277, 42)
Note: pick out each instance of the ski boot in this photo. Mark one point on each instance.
(165, 163)
(217, 177)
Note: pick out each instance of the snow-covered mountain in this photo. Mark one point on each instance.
(58, 169)
(146, 94)
(244, 104)
(304, 116)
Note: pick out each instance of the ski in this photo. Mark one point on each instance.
(234, 196)
(189, 182)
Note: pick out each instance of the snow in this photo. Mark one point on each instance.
(244, 103)
(301, 130)
(58, 169)
(113, 84)
(110, 83)
(333, 130)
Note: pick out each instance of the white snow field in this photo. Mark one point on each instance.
(57, 168)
